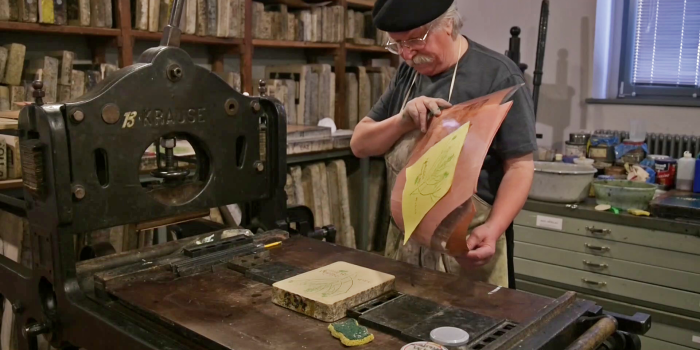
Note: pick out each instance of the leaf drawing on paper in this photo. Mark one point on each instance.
(430, 178)
(339, 282)
(433, 175)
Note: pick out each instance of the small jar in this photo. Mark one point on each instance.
(451, 337)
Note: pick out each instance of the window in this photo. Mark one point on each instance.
(660, 56)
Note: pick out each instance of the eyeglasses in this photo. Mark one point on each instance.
(415, 44)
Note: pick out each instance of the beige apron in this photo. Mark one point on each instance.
(494, 272)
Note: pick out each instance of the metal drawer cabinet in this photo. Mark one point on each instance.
(674, 300)
(656, 239)
(668, 331)
(611, 249)
(653, 344)
(612, 267)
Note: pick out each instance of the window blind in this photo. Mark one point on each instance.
(666, 47)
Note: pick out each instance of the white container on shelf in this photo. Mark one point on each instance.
(638, 131)
(685, 172)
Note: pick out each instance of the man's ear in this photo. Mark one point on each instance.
(450, 27)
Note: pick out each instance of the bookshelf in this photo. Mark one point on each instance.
(287, 44)
(188, 38)
(54, 29)
(360, 4)
(123, 37)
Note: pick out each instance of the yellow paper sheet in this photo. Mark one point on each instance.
(429, 179)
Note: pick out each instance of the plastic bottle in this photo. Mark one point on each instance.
(685, 173)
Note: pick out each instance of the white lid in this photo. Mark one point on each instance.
(450, 336)
(423, 345)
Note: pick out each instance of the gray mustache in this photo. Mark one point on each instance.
(420, 59)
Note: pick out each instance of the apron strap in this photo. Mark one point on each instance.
(452, 84)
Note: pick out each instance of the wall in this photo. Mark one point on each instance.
(568, 67)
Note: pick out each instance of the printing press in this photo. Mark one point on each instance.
(80, 163)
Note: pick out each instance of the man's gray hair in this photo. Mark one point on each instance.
(450, 16)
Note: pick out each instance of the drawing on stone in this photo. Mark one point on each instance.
(338, 282)
(430, 178)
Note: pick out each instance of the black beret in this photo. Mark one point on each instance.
(405, 15)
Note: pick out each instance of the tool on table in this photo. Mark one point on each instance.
(413, 318)
(350, 332)
(273, 245)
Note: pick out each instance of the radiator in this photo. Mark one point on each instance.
(672, 145)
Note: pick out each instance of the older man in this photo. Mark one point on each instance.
(442, 67)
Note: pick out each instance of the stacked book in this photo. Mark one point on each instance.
(316, 24)
(307, 91)
(232, 79)
(11, 94)
(323, 188)
(85, 13)
(334, 195)
(360, 30)
(62, 80)
(219, 18)
(11, 84)
(364, 87)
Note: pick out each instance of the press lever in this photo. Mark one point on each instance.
(171, 32)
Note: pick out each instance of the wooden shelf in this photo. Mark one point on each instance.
(294, 44)
(293, 4)
(318, 156)
(187, 38)
(10, 184)
(8, 124)
(55, 29)
(360, 4)
(365, 48)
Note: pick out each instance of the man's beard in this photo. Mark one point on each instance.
(419, 59)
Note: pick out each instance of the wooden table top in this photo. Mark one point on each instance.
(230, 310)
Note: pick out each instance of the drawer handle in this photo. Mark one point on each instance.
(595, 247)
(594, 282)
(594, 230)
(602, 266)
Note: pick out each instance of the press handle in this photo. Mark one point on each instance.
(171, 32)
(602, 266)
(596, 247)
(602, 231)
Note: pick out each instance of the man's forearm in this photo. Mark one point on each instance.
(512, 193)
(372, 138)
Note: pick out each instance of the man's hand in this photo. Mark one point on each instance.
(510, 198)
(416, 110)
(482, 246)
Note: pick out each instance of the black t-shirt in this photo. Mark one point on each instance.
(481, 71)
